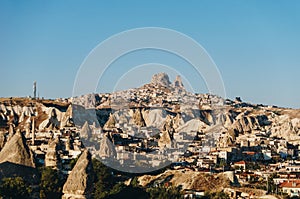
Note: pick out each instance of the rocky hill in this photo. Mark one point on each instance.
(161, 105)
(158, 126)
(188, 180)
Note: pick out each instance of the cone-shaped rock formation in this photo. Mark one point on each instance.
(79, 184)
(16, 151)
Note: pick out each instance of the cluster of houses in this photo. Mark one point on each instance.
(55, 148)
(254, 158)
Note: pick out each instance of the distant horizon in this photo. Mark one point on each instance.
(254, 44)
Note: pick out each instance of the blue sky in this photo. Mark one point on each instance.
(255, 44)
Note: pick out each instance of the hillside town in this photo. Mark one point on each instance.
(200, 143)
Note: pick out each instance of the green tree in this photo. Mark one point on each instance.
(14, 188)
(162, 193)
(51, 184)
(135, 182)
(104, 180)
(221, 195)
(222, 163)
(121, 191)
(216, 195)
(73, 162)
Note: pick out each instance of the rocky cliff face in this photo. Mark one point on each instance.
(79, 184)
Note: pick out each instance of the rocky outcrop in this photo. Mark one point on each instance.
(79, 184)
(111, 122)
(284, 126)
(87, 101)
(177, 121)
(193, 125)
(165, 140)
(107, 149)
(168, 126)
(178, 83)
(67, 120)
(11, 131)
(247, 123)
(52, 123)
(86, 131)
(52, 158)
(138, 118)
(226, 120)
(49, 114)
(2, 139)
(161, 79)
(16, 151)
(155, 117)
(188, 179)
(227, 139)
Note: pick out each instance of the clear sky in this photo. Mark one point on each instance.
(255, 44)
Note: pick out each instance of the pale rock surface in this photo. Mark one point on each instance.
(2, 139)
(190, 180)
(52, 158)
(161, 79)
(193, 125)
(122, 116)
(67, 119)
(111, 122)
(178, 83)
(244, 124)
(177, 121)
(155, 117)
(283, 126)
(165, 140)
(138, 118)
(16, 151)
(87, 101)
(107, 149)
(225, 119)
(79, 184)
(86, 131)
(52, 123)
